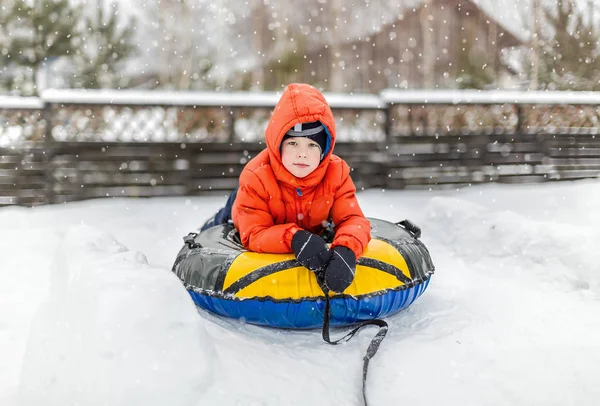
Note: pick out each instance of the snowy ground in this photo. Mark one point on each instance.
(91, 315)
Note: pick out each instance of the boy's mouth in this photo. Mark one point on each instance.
(302, 165)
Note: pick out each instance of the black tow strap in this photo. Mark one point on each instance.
(373, 347)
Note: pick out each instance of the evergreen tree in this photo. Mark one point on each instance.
(286, 68)
(187, 43)
(37, 32)
(102, 47)
(569, 57)
(5, 77)
(474, 68)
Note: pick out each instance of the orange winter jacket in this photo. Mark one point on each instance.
(272, 204)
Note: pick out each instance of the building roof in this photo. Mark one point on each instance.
(511, 15)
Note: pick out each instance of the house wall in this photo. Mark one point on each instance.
(394, 57)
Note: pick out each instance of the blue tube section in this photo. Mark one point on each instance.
(309, 314)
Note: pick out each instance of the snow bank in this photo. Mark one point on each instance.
(511, 317)
(22, 285)
(114, 331)
(559, 253)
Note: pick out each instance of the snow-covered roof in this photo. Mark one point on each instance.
(512, 15)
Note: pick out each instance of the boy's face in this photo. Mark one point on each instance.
(300, 156)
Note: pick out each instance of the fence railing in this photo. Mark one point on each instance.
(73, 145)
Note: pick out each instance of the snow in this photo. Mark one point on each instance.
(198, 98)
(161, 97)
(356, 100)
(419, 96)
(269, 99)
(510, 14)
(20, 102)
(91, 314)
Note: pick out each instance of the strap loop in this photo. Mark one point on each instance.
(373, 347)
(411, 227)
(190, 240)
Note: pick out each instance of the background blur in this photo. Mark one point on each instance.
(336, 45)
(160, 98)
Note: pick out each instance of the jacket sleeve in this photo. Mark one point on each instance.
(352, 229)
(254, 221)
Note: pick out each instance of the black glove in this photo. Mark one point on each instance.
(311, 250)
(339, 274)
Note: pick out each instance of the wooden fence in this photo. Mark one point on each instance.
(412, 145)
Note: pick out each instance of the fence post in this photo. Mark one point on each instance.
(48, 149)
(388, 122)
(519, 119)
(411, 127)
(189, 155)
(231, 124)
(383, 164)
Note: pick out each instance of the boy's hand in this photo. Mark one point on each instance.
(311, 250)
(339, 274)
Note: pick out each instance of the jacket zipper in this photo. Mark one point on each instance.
(299, 220)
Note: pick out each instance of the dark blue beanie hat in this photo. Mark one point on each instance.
(314, 131)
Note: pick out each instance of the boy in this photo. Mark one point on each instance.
(290, 192)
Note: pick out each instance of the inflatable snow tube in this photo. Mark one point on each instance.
(274, 290)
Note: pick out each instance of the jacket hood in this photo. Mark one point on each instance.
(299, 103)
